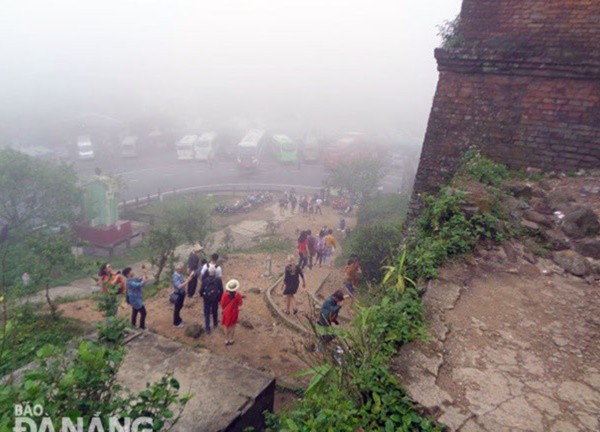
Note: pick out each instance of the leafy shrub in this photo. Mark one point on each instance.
(357, 389)
(373, 244)
(27, 331)
(446, 230)
(384, 209)
(483, 170)
(82, 383)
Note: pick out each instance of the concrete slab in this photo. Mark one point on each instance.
(227, 396)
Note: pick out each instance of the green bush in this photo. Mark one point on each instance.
(373, 244)
(384, 209)
(445, 230)
(27, 331)
(82, 383)
(357, 389)
(483, 170)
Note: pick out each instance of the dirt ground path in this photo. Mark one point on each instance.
(262, 340)
(512, 349)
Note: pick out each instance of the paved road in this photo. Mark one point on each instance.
(147, 174)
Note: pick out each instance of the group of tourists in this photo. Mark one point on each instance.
(202, 274)
(316, 249)
(308, 205)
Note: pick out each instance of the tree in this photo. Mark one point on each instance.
(184, 220)
(34, 192)
(50, 253)
(358, 176)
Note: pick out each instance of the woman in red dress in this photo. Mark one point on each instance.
(230, 303)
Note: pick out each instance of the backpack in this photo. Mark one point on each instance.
(211, 291)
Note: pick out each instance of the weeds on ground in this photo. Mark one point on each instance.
(28, 330)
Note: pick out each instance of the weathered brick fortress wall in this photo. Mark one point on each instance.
(522, 83)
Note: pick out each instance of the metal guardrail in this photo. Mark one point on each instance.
(233, 188)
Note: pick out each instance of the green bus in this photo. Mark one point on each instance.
(285, 148)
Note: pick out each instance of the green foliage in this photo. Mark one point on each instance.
(449, 32)
(270, 245)
(182, 220)
(483, 170)
(83, 383)
(35, 192)
(360, 177)
(355, 388)
(446, 230)
(27, 331)
(383, 209)
(373, 244)
(50, 253)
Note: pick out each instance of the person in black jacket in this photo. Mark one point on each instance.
(193, 264)
(211, 291)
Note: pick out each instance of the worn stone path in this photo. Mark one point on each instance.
(511, 349)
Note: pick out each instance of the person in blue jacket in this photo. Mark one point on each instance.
(135, 295)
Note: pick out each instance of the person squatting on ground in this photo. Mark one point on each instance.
(329, 312)
(193, 264)
(211, 292)
(179, 283)
(135, 295)
(231, 301)
(291, 281)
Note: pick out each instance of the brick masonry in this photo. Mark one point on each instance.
(522, 83)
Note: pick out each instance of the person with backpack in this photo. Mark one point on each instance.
(214, 261)
(231, 301)
(291, 281)
(211, 292)
(135, 295)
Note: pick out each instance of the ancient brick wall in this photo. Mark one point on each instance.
(522, 83)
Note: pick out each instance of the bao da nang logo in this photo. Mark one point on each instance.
(32, 418)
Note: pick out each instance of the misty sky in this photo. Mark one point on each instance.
(353, 63)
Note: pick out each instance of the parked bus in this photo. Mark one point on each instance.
(129, 146)
(186, 147)
(85, 150)
(310, 149)
(206, 146)
(250, 149)
(285, 148)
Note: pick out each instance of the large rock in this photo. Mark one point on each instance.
(533, 216)
(559, 200)
(581, 222)
(520, 190)
(557, 239)
(589, 248)
(194, 331)
(572, 262)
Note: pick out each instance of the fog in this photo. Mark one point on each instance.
(328, 65)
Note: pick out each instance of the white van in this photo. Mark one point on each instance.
(129, 146)
(85, 150)
(186, 147)
(206, 146)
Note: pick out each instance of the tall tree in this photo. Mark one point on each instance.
(357, 176)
